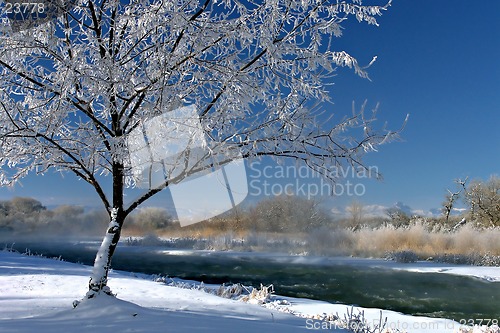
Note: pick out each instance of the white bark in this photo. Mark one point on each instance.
(98, 279)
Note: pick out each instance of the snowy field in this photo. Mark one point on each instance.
(36, 295)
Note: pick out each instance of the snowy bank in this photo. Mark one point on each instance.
(36, 295)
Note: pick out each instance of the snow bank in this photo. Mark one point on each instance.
(36, 295)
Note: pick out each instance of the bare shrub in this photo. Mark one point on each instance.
(152, 218)
(357, 323)
(287, 213)
(356, 212)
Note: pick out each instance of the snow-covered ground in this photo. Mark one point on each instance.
(36, 295)
(491, 274)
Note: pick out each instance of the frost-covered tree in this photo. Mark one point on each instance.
(483, 199)
(152, 218)
(73, 89)
(287, 213)
(452, 197)
(355, 210)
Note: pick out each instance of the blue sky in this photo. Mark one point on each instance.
(439, 61)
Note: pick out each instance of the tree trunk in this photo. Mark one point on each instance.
(99, 279)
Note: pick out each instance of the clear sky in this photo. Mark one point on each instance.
(439, 61)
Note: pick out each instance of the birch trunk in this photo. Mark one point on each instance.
(99, 278)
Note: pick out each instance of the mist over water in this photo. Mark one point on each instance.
(256, 247)
(362, 282)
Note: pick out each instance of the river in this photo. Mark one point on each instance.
(345, 280)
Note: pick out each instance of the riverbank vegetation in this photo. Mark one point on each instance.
(295, 225)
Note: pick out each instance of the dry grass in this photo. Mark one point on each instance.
(424, 240)
(416, 238)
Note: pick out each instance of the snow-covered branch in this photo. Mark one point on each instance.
(258, 73)
(108, 79)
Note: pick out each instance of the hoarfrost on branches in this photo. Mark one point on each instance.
(74, 88)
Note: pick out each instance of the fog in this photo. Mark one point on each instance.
(283, 224)
(27, 218)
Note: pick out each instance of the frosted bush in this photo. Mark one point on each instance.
(476, 259)
(233, 291)
(259, 296)
(402, 256)
(357, 323)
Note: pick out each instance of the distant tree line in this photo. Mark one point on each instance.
(280, 214)
(28, 216)
(482, 199)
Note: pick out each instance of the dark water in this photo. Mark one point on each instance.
(343, 280)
